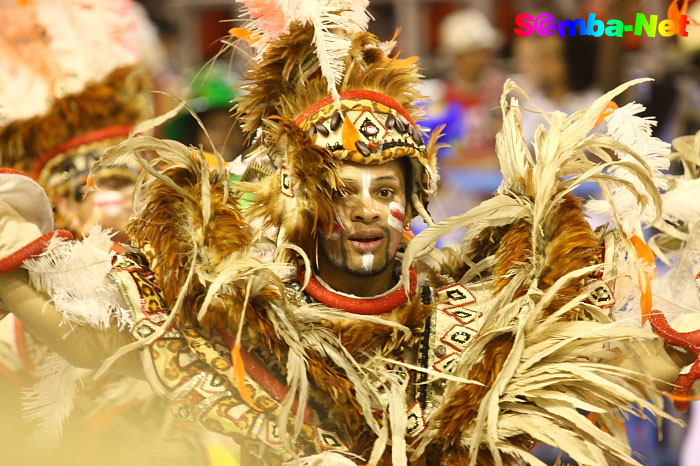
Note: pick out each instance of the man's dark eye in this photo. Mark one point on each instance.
(339, 195)
(385, 192)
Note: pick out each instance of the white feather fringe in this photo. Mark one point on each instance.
(74, 273)
(625, 126)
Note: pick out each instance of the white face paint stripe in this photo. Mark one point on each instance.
(367, 261)
(366, 181)
(394, 223)
(393, 205)
(396, 215)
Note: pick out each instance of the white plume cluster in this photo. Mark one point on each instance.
(626, 126)
(269, 19)
(49, 402)
(52, 48)
(73, 274)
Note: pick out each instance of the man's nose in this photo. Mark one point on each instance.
(365, 211)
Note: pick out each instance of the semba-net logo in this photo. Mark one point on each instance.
(545, 24)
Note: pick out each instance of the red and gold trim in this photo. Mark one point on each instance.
(111, 132)
(356, 94)
(12, 171)
(36, 247)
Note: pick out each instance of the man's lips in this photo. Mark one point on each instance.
(367, 240)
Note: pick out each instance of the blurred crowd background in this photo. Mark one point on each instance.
(467, 49)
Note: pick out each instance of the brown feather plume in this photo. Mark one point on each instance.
(275, 85)
(315, 177)
(570, 245)
(120, 99)
(164, 229)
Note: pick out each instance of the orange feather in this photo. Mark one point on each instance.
(647, 257)
(88, 184)
(245, 34)
(674, 12)
(685, 398)
(239, 377)
(350, 135)
(611, 107)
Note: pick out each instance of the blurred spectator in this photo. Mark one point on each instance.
(674, 96)
(155, 41)
(558, 73)
(212, 95)
(467, 99)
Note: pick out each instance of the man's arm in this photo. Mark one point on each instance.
(81, 345)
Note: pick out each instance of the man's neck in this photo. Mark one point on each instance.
(347, 283)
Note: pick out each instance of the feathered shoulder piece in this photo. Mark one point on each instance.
(186, 220)
(541, 355)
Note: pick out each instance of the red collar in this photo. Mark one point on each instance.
(371, 306)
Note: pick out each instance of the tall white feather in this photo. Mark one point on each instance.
(272, 18)
(625, 126)
(49, 402)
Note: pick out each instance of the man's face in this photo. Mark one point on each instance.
(370, 218)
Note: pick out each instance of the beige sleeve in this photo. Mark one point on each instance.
(81, 345)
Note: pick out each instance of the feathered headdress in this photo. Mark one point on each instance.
(323, 91)
(68, 84)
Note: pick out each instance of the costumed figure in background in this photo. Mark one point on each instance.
(354, 346)
(70, 87)
(465, 104)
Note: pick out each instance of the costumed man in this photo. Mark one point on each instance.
(70, 87)
(351, 346)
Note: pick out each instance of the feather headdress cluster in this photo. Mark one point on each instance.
(308, 133)
(56, 48)
(68, 69)
(332, 23)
